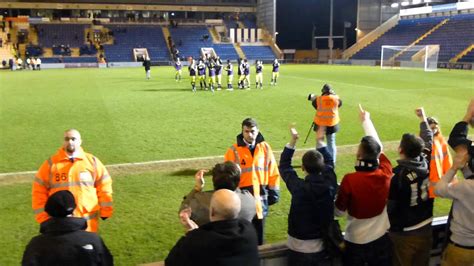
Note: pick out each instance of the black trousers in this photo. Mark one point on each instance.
(259, 225)
(375, 253)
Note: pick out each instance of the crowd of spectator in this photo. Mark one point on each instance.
(389, 209)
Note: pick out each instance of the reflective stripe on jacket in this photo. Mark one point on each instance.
(440, 163)
(327, 111)
(86, 178)
(257, 171)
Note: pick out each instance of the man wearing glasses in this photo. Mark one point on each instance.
(79, 172)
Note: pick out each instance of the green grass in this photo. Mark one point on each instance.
(145, 224)
(124, 118)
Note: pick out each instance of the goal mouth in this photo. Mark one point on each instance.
(423, 57)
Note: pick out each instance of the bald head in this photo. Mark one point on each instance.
(225, 205)
(72, 141)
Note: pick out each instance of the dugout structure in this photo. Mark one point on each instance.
(423, 57)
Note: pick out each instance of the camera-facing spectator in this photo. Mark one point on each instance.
(63, 239)
(460, 249)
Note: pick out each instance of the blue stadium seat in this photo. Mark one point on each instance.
(458, 28)
(61, 34)
(192, 40)
(127, 37)
(258, 52)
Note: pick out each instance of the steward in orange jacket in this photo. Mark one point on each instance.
(441, 159)
(259, 170)
(79, 172)
(326, 120)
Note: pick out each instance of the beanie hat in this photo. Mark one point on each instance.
(60, 204)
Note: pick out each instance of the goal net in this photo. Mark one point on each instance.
(415, 56)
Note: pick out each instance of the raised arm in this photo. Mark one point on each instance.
(425, 131)
(368, 126)
(288, 173)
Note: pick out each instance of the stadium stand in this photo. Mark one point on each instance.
(61, 34)
(469, 57)
(127, 37)
(458, 27)
(192, 38)
(249, 23)
(67, 59)
(260, 52)
(406, 32)
(34, 50)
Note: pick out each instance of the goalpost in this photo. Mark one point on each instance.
(413, 56)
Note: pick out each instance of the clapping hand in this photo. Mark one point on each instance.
(185, 219)
(199, 178)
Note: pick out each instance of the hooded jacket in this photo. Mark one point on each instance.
(409, 204)
(63, 241)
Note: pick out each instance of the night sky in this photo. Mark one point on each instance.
(295, 20)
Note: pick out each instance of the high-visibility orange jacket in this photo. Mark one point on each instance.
(440, 162)
(327, 110)
(259, 172)
(86, 178)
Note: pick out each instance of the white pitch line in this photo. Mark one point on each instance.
(121, 165)
(338, 82)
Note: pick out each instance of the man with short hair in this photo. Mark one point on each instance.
(259, 171)
(192, 73)
(218, 67)
(147, 65)
(312, 203)
(326, 119)
(63, 240)
(177, 66)
(201, 68)
(410, 209)
(259, 74)
(230, 75)
(275, 72)
(460, 249)
(224, 241)
(79, 172)
(363, 195)
(224, 175)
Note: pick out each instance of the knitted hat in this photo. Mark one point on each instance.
(60, 204)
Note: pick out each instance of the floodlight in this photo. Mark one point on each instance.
(405, 3)
(394, 5)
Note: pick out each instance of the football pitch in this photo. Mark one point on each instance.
(125, 118)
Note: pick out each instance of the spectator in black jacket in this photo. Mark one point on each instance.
(225, 241)
(312, 203)
(410, 209)
(63, 239)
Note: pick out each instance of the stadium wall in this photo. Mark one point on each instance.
(371, 14)
(266, 15)
(276, 254)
